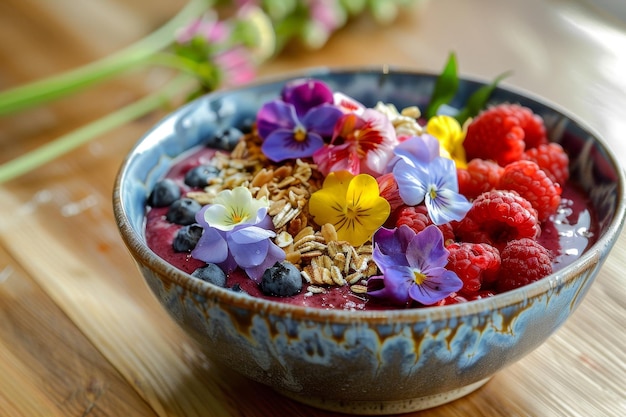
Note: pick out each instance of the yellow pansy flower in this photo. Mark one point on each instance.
(450, 135)
(352, 204)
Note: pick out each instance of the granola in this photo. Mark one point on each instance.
(322, 259)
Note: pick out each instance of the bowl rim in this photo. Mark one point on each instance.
(143, 254)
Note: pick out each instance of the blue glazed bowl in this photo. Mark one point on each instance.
(372, 362)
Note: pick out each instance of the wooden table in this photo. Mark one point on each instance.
(80, 333)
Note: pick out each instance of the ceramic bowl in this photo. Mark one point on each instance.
(365, 362)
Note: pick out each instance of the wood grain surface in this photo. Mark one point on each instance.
(80, 333)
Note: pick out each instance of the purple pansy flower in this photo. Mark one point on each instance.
(295, 127)
(423, 175)
(306, 94)
(413, 266)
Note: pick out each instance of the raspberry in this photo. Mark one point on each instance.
(502, 133)
(416, 217)
(523, 261)
(498, 216)
(474, 263)
(480, 175)
(495, 134)
(532, 183)
(534, 129)
(552, 159)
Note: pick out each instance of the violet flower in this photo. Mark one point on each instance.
(296, 126)
(413, 266)
(237, 233)
(423, 176)
(305, 94)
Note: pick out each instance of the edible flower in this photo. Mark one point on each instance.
(237, 232)
(295, 127)
(352, 204)
(412, 266)
(361, 143)
(206, 27)
(232, 208)
(450, 135)
(424, 177)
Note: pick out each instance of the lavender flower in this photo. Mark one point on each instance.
(422, 175)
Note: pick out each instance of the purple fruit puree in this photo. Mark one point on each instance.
(567, 234)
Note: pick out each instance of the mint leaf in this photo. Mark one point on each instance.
(445, 87)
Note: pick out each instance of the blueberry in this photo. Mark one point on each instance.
(199, 176)
(211, 273)
(246, 125)
(282, 280)
(164, 193)
(187, 237)
(183, 211)
(225, 138)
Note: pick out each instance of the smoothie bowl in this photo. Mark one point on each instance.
(309, 234)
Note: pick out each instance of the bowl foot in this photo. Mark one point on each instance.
(374, 408)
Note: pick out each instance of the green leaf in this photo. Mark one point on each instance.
(72, 140)
(478, 100)
(445, 87)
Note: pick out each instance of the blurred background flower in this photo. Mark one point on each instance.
(210, 44)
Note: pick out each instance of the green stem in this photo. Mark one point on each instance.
(42, 91)
(72, 140)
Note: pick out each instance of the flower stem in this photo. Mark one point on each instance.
(39, 92)
(72, 140)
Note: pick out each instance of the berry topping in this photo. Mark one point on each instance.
(503, 132)
(498, 216)
(187, 237)
(496, 134)
(225, 138)
(480, 175)
(474, 263)
(211, 273)
(183, 211)
(552, 159)
(534, 129)
(416, 217)
(532, 183)
(281, 280)
(199, 176)
(164, 193)
(523, 261)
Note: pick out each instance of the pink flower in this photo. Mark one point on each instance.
(327, 14)
(235, 65)
(347, 104)
(208, 27)
(361, 143)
